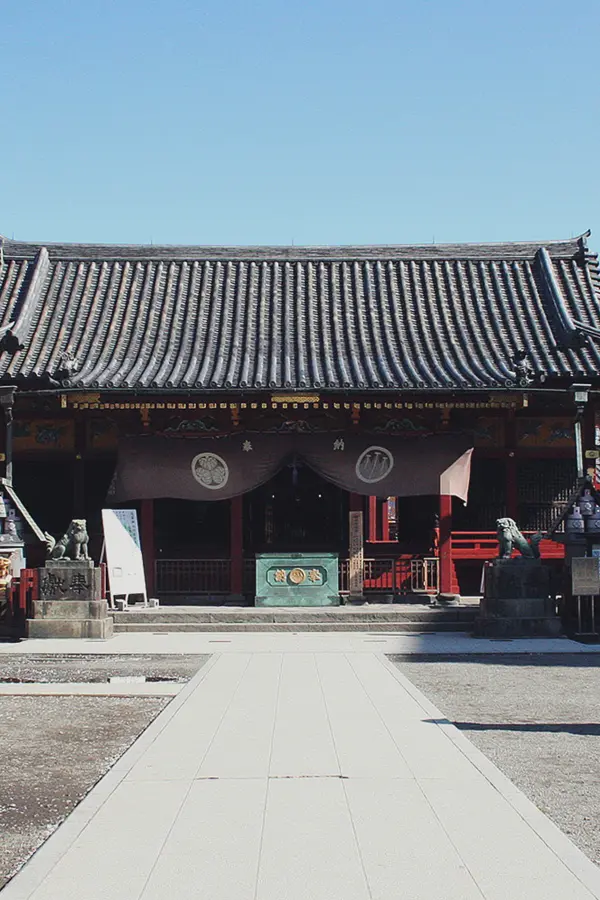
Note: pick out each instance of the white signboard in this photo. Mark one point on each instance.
(585, 576)
(356, 572)
(123, 553)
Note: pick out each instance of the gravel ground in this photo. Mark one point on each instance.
(54, 749)
(97, 668)
(537, 717)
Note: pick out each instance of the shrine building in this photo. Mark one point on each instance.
(247, 399)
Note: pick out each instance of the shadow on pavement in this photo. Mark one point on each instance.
(586, 728)
(569, 660)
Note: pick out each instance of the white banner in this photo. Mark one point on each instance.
(123, 553)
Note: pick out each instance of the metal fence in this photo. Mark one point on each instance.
(193, 576)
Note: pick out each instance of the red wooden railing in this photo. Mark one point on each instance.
(399, 575)
(28, 592)
(484, 545)
(403, 574)
(20, 596)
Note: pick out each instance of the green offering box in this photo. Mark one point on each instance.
(297, 579)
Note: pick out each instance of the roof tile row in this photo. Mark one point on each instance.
(395, 318)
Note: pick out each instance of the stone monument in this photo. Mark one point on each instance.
(70, 603)
(516, 598)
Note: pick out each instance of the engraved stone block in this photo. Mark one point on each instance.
(69, 580)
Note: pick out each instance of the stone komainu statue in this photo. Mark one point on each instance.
(510, 538)
(72, 545)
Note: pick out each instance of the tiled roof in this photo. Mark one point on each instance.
(435, 317)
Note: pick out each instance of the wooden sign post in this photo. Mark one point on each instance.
(357, 558)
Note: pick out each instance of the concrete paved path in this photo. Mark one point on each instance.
(304, 776)
(290, 642)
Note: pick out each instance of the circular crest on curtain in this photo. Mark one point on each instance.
(210, 470)
(374, 464)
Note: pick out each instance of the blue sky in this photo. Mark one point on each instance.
(329, 122)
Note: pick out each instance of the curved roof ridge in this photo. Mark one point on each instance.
(566, 248)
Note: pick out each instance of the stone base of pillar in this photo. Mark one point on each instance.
(517, 601)
(524, 617)
(445, 600)
(70, 619)
(354, 600)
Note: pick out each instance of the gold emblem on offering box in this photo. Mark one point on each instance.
(297, 576)
(280, 575)
(315, 576)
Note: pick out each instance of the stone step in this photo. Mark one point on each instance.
(291, 616)
(399, 625)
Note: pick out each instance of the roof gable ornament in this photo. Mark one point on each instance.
(13, 335)
(569, 332)
(8, 340)
(523, 372)
(67, 367)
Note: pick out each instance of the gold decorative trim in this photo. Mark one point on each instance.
(346, 406)
(295, 398)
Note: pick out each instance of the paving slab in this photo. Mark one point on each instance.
(276, 776)
(213, 848)
(309, 849)
(340, 642)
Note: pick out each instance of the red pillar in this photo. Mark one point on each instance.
(372, 518)
(385, 520)
(589, 438)
(79, 472)
(510, 439)
(512, 498)
(236, 545)
(147, 538)
(594, 443)
(445, 551)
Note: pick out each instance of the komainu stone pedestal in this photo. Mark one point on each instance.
(517, 601)
(69, 604)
